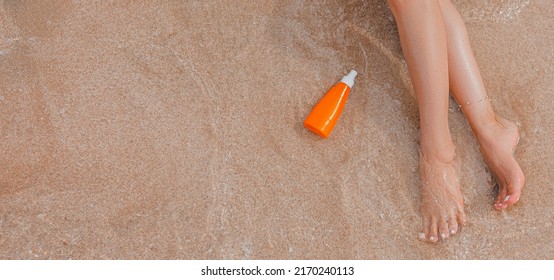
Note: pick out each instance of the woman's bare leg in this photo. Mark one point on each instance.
(497, 136)
(423, 38)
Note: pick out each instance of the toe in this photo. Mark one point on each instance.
(514, 189)
(507, 197)
(499, 204)
(424, 234)
(462, 219)
(504, 203)
(433, 229)
(453, 224)
(443, 229)
(511, 199)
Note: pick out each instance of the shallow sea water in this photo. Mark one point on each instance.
(173, 129)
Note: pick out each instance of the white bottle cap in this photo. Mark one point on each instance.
(349, 79)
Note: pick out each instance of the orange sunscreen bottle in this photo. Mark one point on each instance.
(325, 114)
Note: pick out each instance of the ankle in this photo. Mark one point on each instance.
(444, 154)
(490, 132)
(485, 126)
(481, 117)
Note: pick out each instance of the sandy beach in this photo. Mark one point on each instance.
(173, 130)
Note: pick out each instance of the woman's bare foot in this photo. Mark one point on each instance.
(442, 206)
(498, 141)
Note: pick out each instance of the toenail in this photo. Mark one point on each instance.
(506, 199)
(452, 231)
(443, 236)
(432, 238)
(422, 235)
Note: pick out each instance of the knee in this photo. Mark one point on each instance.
(400, 6)
(445, 4)
(396, 5)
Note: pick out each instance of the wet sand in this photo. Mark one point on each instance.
(169, 130)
